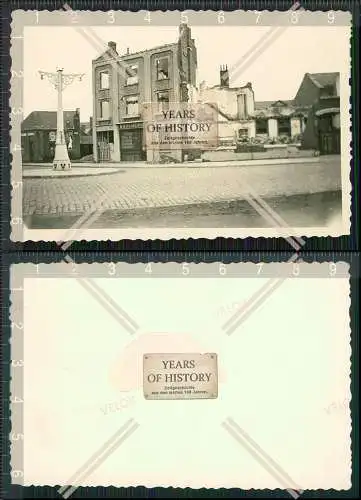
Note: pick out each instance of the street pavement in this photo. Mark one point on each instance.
(310, 210)
(131, 189)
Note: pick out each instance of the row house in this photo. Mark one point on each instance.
(321, 92)
(123, 82)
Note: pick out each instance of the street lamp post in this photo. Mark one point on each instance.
(59, 80)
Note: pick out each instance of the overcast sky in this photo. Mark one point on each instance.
(275, 74)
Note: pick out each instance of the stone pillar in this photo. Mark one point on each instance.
(176, 76)
(147, 78)
(295, 126)
(114, 113)
(115, 155)
(252, 129)
(272, 127)
(150, 155)
(303, 124)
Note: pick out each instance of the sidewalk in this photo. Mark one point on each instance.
(233, 163)
(46, 171)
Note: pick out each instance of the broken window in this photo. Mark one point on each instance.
(104, 110)
(132, 105)
(132, 75)
(162, 65)
(104, 80)
(163, 100)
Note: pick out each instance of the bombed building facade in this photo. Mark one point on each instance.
(122, 83)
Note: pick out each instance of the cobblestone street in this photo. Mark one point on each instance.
(158, 187)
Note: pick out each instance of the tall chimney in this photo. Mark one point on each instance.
(224, 76)
(113, 47)
(183, 27)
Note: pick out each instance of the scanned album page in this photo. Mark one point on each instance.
(192, 376)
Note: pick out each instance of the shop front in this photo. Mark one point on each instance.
(132, 148)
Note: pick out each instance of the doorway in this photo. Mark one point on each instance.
(329, 136)
(131, 145)
(330, 143)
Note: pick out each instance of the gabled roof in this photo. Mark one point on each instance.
(270, 104)
(46, 120)
(323, 79)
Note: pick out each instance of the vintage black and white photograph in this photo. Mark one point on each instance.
(181, 130)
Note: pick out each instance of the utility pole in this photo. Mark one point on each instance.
(60, 81)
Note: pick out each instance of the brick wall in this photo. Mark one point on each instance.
(187, 55)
